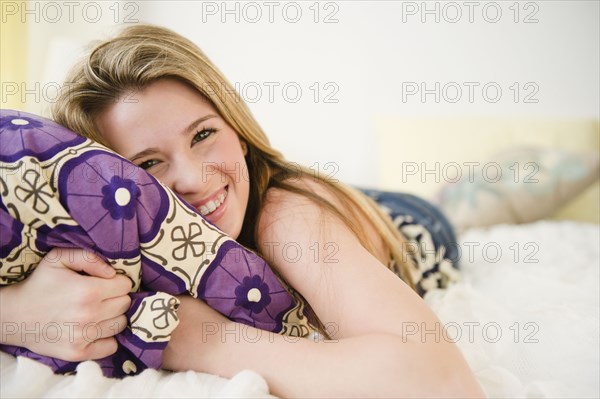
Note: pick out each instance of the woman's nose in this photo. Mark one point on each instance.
(185, 176)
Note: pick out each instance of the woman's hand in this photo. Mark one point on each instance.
(61, 313)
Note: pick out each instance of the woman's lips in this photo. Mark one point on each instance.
(212, 208)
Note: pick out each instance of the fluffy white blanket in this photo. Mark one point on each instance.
(542, 294)
(525, 315)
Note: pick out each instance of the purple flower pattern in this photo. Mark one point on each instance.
(23, 134)
(252, 294)
(120, 196)
(243, 287)
(116, 205)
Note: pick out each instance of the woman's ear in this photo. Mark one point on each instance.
(244, 147)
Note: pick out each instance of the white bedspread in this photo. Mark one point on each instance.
(527, 329)
(558, 295)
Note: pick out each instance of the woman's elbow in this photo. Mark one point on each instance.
(426, 369)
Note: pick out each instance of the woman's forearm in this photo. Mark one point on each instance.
(377, 365)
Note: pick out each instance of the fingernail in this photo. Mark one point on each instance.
(109, 271)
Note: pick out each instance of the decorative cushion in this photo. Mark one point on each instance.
(59, 189)
(519, 186)
(416, 154)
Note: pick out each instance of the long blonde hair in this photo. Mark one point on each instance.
(141, 54)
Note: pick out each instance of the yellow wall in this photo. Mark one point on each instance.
(13, 58)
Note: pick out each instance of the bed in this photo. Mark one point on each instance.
(525, 313)
(527, 328)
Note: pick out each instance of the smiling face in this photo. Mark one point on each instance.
(170, 130)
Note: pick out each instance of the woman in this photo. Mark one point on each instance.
(153, 97)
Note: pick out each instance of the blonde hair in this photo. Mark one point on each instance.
(142, 54)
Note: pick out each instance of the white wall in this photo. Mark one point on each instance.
(370, 55)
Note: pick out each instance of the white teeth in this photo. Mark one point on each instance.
(211, 206)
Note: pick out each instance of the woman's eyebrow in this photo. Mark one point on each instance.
(146, 152)
(197, 122)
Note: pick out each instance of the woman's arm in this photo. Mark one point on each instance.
(346, 285)
(370, 365)
(372, 312)
(50, 312)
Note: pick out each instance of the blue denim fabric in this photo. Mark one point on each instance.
(407, 209)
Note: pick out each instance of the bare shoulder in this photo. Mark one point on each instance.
(286, 213)
(318, 255)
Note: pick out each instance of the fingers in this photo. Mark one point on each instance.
(117, 286)
(111, 327)
(101, 339)
(96, 341)
(113, 307)
(100, 348)
(81, 260)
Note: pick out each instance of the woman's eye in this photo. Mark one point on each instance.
(148, 164)
(202, 134)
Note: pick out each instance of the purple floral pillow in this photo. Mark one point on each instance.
(59, 189)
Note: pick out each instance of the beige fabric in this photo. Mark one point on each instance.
(535, 182)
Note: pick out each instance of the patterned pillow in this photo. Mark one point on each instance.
(518, 186)
(59, 189)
